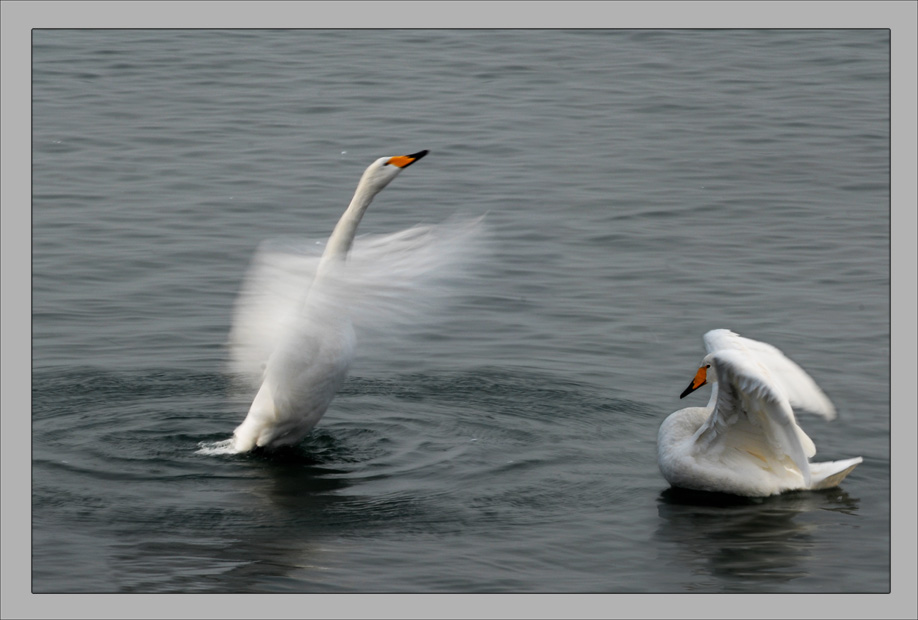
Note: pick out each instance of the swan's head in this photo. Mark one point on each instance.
(706, 374)
(381, 172)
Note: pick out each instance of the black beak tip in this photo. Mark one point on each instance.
(418, 155)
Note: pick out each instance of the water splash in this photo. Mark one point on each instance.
(216, 447)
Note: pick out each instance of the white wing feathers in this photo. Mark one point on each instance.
(266, 307)
(747, 441)
(781, 373)
(387, 280)
(747, 395)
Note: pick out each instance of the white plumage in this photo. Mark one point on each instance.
(293, 326)
(747, 441)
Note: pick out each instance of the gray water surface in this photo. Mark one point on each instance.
(639, 188)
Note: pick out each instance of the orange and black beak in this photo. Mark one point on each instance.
(701, 377)
(403, 161)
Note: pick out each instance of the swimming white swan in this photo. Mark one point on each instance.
(309, 363)
(746, 441)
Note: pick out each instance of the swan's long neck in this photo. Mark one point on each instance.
(713, 400)
(341, 239)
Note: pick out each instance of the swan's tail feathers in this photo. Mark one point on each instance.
(830, 474)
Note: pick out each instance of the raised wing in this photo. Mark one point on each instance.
(387, 281)
(750, 406)
(266, 308)
(780, 372)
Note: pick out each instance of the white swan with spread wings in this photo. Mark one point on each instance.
(309, 346)
(747, 441)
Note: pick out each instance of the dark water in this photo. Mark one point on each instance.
(639, 187)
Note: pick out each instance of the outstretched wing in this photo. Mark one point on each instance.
(781, 373)
(387, 281)
(266, 307)
(753, 414)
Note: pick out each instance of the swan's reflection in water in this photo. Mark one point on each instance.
(282, 541)
(304, 517)
(261, 525)
(735, 544)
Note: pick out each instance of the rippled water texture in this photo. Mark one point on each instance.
(638, 188)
